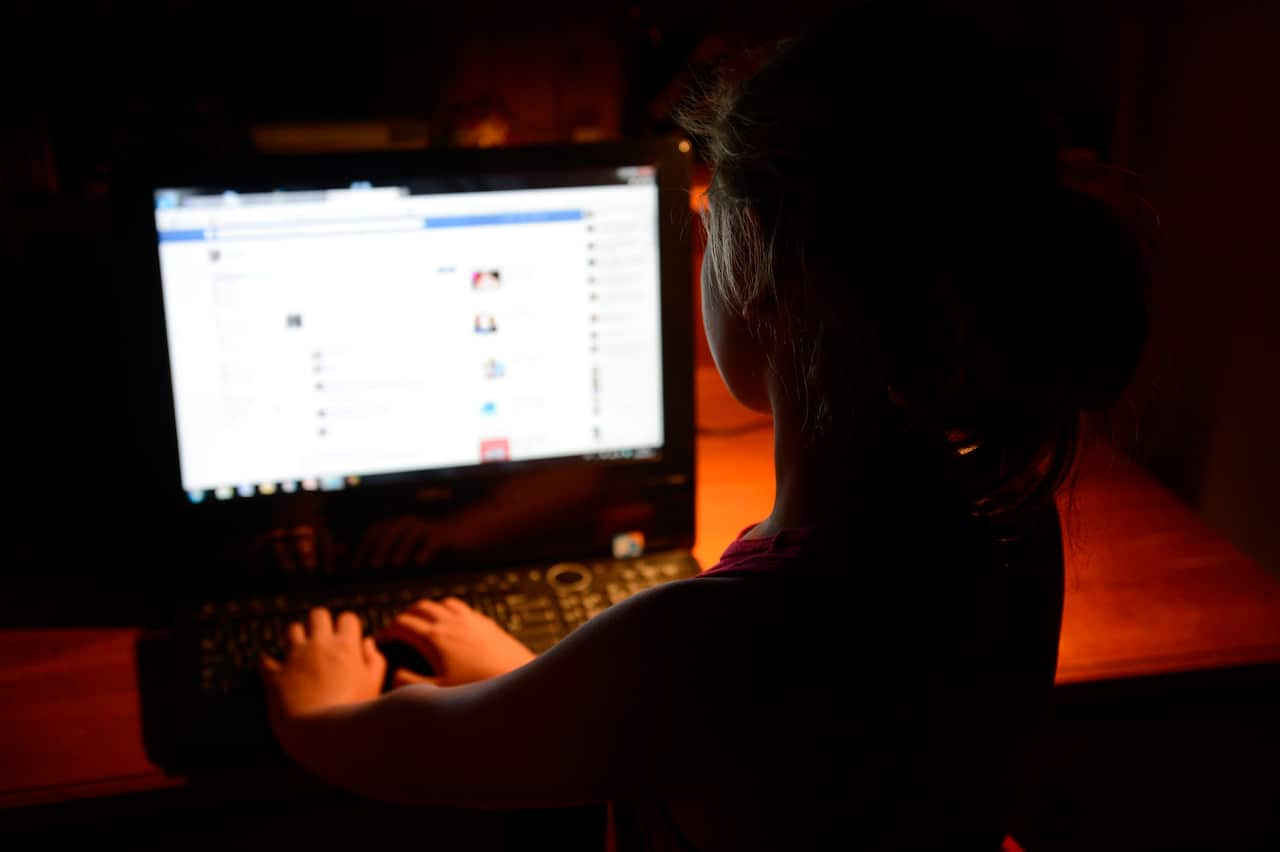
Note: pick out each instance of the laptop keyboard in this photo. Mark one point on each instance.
(539, 605)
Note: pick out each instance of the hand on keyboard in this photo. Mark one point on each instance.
(461, 644)
(326, 665)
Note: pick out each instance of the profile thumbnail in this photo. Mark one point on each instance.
(486, 279)
(485, 323)
(495, 450)
(494, 369)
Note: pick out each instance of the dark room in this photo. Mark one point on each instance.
(642, 425)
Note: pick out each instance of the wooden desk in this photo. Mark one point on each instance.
(1150, 589)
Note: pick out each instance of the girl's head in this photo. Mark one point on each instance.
(893, 263)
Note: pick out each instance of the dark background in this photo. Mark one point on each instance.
(1184, 93)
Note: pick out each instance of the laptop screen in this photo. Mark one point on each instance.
(327, 337)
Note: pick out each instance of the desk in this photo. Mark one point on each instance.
(1150, 590)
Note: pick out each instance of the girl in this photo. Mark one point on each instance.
(895, 273)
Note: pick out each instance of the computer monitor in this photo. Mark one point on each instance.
(375, 329)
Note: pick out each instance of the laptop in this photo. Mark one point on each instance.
(383, 378)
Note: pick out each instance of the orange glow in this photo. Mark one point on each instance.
(1150, 588)
(698, 197)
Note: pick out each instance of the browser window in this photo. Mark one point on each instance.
(319, 336)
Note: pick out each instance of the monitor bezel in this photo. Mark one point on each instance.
(445, 487)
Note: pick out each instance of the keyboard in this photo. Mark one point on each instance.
(539, 605)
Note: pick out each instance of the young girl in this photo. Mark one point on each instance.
(895, 273)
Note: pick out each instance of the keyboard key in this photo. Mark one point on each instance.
(539, 617)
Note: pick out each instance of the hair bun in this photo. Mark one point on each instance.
(1095, 303)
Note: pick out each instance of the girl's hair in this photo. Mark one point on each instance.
(887, 204)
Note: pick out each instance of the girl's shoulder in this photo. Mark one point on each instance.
(746, 556)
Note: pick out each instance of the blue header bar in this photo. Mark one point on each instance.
(526, 217)
(181, 236)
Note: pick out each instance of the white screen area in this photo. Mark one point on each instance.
(322, 336)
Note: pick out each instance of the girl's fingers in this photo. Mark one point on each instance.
(373, 657)
(321, 623)
(418, 634)
(410, 628)
(349, 625)
(429, 609)
(404, 677)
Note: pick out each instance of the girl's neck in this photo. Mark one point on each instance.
(854, 477)
(813, 483)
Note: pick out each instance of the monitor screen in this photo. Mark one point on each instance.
(324, 338)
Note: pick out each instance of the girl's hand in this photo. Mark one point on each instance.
(461, 644)
(326, 666)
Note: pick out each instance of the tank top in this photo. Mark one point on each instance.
(1026, 568)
